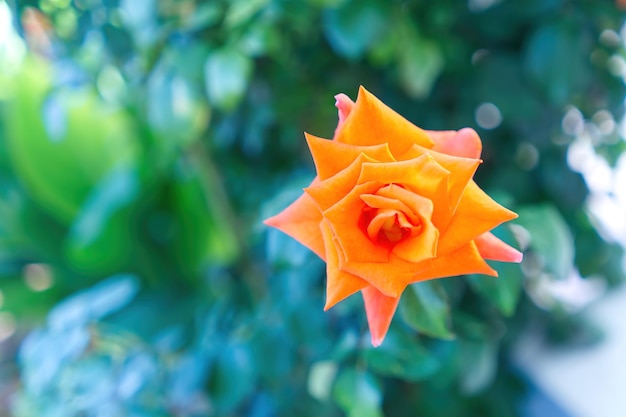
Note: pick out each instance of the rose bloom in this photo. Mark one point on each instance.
(392, 205)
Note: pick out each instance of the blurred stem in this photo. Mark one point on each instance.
(213, 185)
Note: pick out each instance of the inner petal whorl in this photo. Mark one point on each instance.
(390, 221)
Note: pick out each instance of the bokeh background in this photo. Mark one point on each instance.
(143, 142)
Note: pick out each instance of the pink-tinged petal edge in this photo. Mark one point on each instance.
(492, 248)
(464, 143)
(344, 106)
(379, 309)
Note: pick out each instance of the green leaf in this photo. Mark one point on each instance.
(202, 235)
(320, 379)
(553, 58)
(227, 73)
(419, 64)
(550, 237)
(424, 307)
(64, 143)
(357, 393)
(99, 238)
(479, 365)
(233, 377)
(503, 291)
(401, 356)
(176, 109)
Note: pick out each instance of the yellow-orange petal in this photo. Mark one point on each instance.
(344, 106)
(329, 192)
(463, 261)
(330, 157)
(371, 122)
(422, 175)
(301, 221)
(476, 214)
(339, 284)
(461, 172)
(421, 247)
(345, 221)
(383, 202)
(465, 142)
(420, 206)
(490, 247)
(391, 278)
(379, 310)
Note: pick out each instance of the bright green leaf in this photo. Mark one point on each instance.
(62, 144)
(320, 379)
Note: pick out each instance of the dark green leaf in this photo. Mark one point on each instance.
(352, 28)
(357, 393)
(424, 306)
(550, 237)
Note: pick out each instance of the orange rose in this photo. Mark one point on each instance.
(391, 205)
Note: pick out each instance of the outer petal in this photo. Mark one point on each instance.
(329, 192)
(344, 107)
(476, 214)
(331, 157)
(339, 284)
(461, 171)
(465, 143)
(490, 247)
(464, 260)
(379, 309)
(371, 122)
(397, 273)
(301, 221)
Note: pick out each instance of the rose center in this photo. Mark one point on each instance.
(390, 226)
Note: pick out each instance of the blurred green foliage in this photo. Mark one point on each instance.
(146, 140)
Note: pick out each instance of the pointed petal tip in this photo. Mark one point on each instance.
(377, 340)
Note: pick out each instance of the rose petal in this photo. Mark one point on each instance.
(391, 278)
(371, 122)
(461, 172)
(421, 247)
(345, 221)
(301, 221)
(423, 176)
(331, 157)
(463, 261)
(465, 143)
(377, 223)
(339, 284)
(476, 214)
(344, 106)
(380, 201)
(379, 309)
(328, 192)
(490, 247)
(397, 273)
